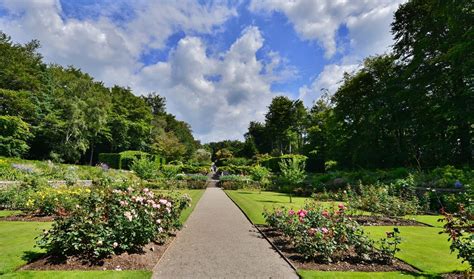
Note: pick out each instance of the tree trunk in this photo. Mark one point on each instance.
(92, 154)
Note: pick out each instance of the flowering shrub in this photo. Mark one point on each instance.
(326, 235)
(54, 201)
(460, 228)
(111, 221)
(377, 199)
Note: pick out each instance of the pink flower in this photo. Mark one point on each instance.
(302, 213)
(145, 190)
(325, 213)
(163, 201)
(324, 230)
(341, 206)
(168, 209)
(168, 204)
(291, 212)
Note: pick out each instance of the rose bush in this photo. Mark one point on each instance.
(329, 235)
(110, 221)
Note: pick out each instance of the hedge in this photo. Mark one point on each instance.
(124, 160)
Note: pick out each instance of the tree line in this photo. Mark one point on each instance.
(410, 107)
(62, 113)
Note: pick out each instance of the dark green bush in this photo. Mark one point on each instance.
(111, 159)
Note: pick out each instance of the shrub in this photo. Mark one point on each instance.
(273, 163)
(327, 236)
(376, 199)
(111, 221)
(55, 201)
(234, 182)
(260, 174)
(169, 171)
(459, 226)
(145, 168)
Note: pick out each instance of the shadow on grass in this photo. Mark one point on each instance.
(31, 256)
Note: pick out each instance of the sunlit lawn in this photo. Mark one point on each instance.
(17, 240)
(423, 247)
(253, 203)
(431, 220)
(6, 213)
(309, 274)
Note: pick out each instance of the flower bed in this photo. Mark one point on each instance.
(314, 237)
(111, 221)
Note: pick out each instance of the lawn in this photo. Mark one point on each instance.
(253, 203)
(431, 220)
(309, 274)
(424, 248)
(17, 239)
(6, 213)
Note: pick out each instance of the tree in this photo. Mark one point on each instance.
(292, 173)
(14, 136)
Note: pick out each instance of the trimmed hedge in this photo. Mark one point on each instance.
(124, 160)
(111, 159)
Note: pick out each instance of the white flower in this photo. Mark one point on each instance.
(158, 221)
(115, 245)
(168, 204)
(99, 242)
(160, 229)
(128, 215)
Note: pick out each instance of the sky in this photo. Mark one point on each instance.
(218, 63)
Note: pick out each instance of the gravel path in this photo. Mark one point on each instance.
(219, 242)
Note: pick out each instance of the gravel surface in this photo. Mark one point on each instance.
(219, 242)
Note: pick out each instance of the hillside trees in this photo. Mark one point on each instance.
(62, 113)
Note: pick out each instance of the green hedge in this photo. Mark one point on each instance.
(111, 159)
(124, 160)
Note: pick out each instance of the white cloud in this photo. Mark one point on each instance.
(368, 33)
(328, 81)
(368, 21)
(218, 108)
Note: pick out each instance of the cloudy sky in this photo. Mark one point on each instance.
(218, 63)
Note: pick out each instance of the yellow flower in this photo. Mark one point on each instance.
(88, 190)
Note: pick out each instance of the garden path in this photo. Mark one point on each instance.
(219, 242)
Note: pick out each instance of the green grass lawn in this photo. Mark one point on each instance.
(431, 220)
(424, 248)
(132, 274)
(253, 203)
(309, 274)
(6, 213)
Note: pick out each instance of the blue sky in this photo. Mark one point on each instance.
(218, 63)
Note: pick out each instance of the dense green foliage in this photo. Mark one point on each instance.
(63, 114)
(411, 107)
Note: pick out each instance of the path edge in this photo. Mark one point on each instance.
(264, 236)
(173, 241)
